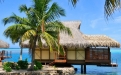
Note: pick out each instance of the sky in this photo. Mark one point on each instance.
(89, 12)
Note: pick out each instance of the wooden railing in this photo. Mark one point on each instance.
(5, 54)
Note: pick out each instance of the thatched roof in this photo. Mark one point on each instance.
(80, 40)
(4, 44)
(76, 40)
(101, 41)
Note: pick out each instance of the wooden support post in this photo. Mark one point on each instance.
(0, 59)
(10, 54)
(84, 69)
(81, 69)
(7, 54)
(0, 62)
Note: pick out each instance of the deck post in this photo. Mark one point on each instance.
(84, 69)
(81, 69)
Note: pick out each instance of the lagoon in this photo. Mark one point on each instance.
(91, 69)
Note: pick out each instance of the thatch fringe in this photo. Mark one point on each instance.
(101, 41)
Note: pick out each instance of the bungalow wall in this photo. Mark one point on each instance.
(76, 55)
(71, 54)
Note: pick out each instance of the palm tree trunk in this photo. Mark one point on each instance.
(33, 53)
(42, 26)
(20, 58)
(20, 43)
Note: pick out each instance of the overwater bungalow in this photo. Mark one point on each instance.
(4, 54)
(80, 49)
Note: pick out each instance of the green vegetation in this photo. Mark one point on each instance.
(23, 64)
(13, 65)
(36, 68)
(7, 66)
(17, 67)
(8, 69)
(38, 64)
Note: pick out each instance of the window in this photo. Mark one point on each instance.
(98, 54)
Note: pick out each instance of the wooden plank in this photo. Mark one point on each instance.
(109, 65)
(63, 61)
(98, 61)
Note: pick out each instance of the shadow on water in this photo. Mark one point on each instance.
(94, 70)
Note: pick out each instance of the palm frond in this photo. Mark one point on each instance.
(13, 31)
(58, 27)
(54, 12)
(23, 8)
(50, 40)
(110, 6)
(41, 5)
(15, 19)
(28, 34)
(74, 2)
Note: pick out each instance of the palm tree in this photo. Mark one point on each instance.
(109, 8)
(39, 24)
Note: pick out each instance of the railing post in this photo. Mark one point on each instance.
(55, 55)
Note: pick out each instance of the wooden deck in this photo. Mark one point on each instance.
(109, 65)
(98, 61)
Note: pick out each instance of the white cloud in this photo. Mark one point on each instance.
(95, 22)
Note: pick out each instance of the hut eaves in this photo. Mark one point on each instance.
(101, 41)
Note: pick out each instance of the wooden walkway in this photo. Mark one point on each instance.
(109, 65)
(4, 55)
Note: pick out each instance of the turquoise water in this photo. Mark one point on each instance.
(91, 69)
